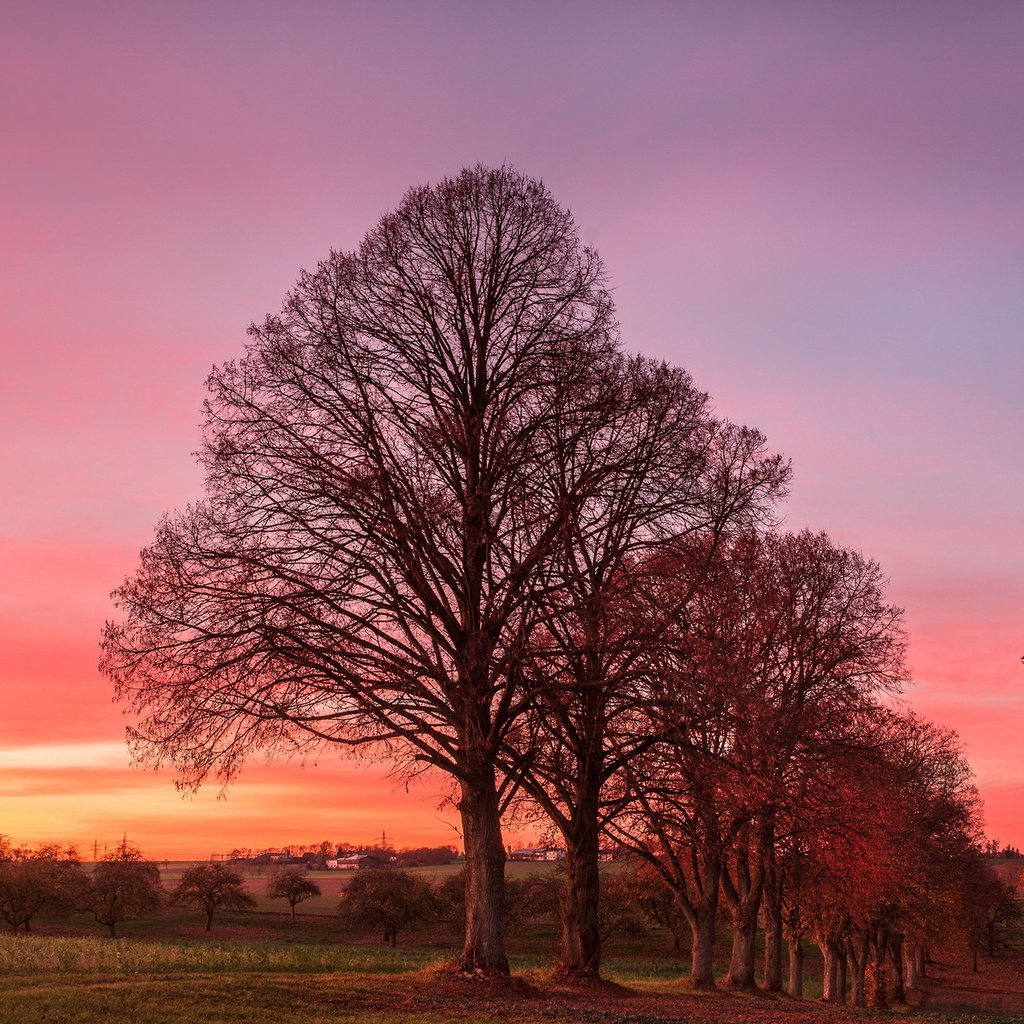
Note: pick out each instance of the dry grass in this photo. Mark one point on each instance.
(411, 998)
(262, 968)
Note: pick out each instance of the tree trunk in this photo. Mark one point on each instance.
(841, 992)
(857, 967)
(910, 962)
(796, 968)
(293, 911)
(744, 892)
(876, 996)
(111, 926)
(702, 927)
(744, 937)
(772, 936)
(832, 991)
(484, 947)
(209, 920)
(772, 902)
(899, 989)
(581, 931)
(876, 976)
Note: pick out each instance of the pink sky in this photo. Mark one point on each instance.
(817, 209)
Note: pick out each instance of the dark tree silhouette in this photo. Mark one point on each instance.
(670, 470)
(122, 887)
(291, 884)
(211, 887)
(387, 899)
(49, 878)
(380, 512)
(775, 646)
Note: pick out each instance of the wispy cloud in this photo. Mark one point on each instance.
(64, 756)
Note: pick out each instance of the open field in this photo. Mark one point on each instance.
(92, 981)
(262, 968)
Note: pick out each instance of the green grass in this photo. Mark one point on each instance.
(262, 968)
(166, 970)
(29, 956)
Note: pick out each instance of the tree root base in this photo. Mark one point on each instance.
(493, 978)
(564, 974)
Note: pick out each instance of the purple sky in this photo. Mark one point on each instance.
(814, 207)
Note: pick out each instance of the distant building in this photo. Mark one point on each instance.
(273, 857)
(355, 862)
(540, 853)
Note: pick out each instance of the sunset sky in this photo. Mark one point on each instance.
(816, 208)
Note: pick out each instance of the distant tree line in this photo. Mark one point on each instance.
(123, 886)
(318, 854)
(448, 519)
(1006, 851)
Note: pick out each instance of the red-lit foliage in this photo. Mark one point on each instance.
(777, 655)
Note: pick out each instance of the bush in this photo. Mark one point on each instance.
(527, 900)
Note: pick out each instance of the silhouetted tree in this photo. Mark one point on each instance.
(122, 887)
(49, 878)
(764, 663)
(388, 899)
(670, 469)
(211, 887)
(291, 884)
(422, 856)
(380, 513)
(657, 902)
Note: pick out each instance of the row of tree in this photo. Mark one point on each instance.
(124, 886)
(449, 521)
(51, 879)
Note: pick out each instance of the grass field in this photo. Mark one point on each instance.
(262, 968)
(87, 980)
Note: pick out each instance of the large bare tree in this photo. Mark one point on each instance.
(678, 472)
(380, 513)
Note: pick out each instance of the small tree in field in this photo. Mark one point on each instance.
(48, 879)
(291, 885)
(123, 887)
(388, 900)
(211, 886)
